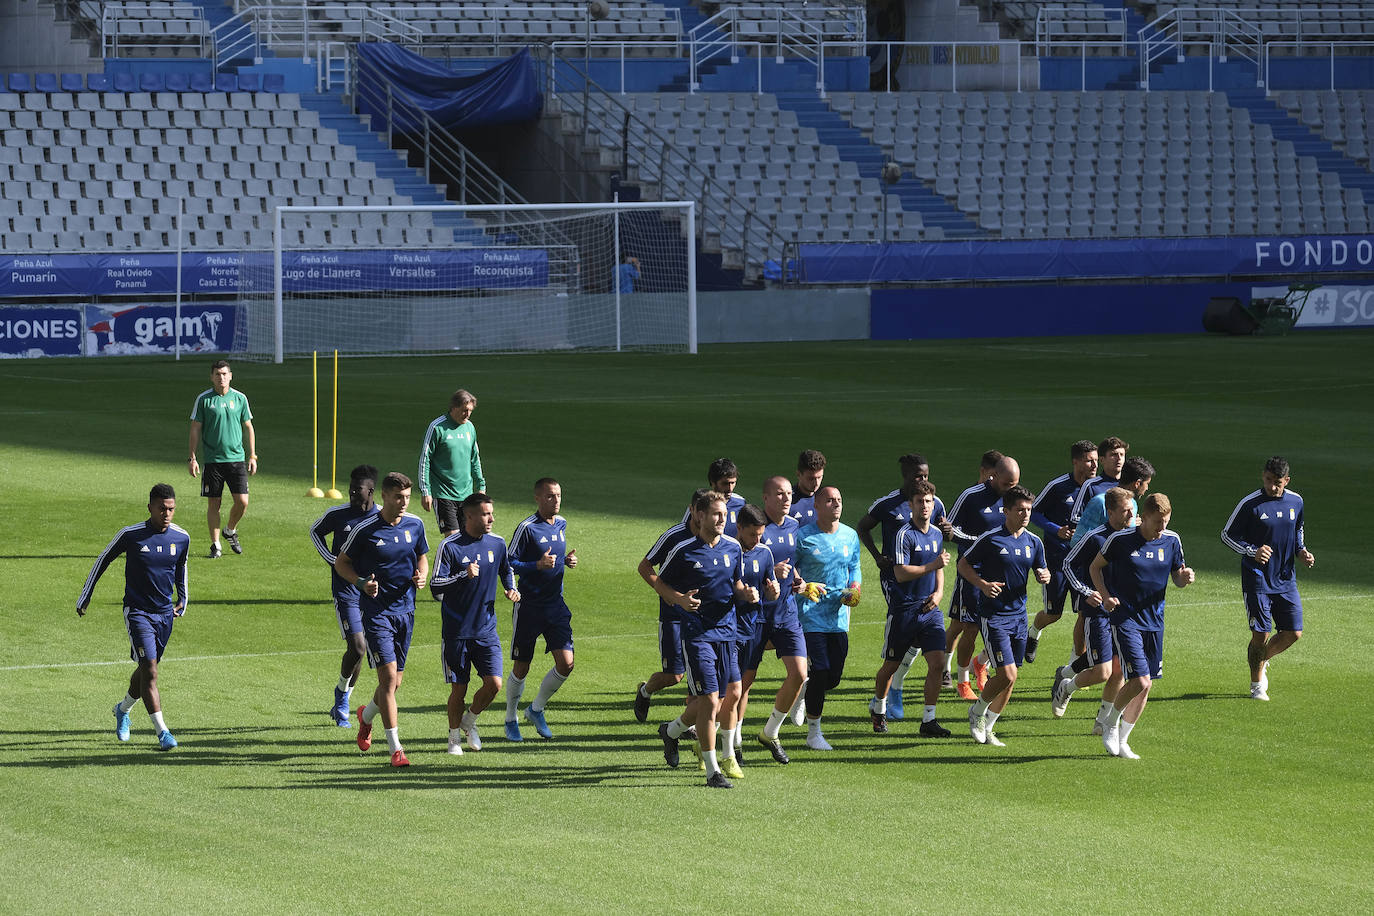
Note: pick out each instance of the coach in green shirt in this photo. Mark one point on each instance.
(220, 422)
(450, 465)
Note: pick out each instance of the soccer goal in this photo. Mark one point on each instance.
(412, 280)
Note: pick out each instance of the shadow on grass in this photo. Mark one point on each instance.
(48, 556)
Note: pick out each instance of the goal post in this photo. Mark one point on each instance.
(406, 280)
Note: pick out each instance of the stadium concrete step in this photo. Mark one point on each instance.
(1306, 142)
(720, 75)
(691, 15)
(853, 146)
(215, 12)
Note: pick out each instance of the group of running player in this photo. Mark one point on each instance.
(734, 580)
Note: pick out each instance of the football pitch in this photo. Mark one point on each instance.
(1236, 806)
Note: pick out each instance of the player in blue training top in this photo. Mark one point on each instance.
(977, 511)
(1050, 514)
(671, 660)
(1266, 530)
(828, 562)
(1131, 574)
(760, 574)
(337, 524)
(914, 621)
(810, 473)
(472, 561)
(781, 626)
(1001, 564)
(890, 513)
(155, 553)
(539, 554)
(1098, 664)
(387, 557)
(1111, 455)
(704, 576)
(723, 476)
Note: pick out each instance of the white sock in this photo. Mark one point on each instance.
(980, 708)
(983, 658)
(928, 714)
(514, 687)
(1114, 716)
(737, 741)
(1072, 684)
(879, 705)
(676, 728)
(230, 531)
(642, 692)
(469, 719)
(548, 687)
(712, 767)
(963, 674)
(801, 696)
(345, 685)
(899, 675)
(727, 740)
(158, 725)
(1065, 671)
(370, 711)
(393, 739)
(775, 719)
(813, 726)
(455, 736)
(127, 703)
(1126, 728)
(1034, 631)
(1254, 685)
(992, 718)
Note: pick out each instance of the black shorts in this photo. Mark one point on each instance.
(449, 513)
(215, 475)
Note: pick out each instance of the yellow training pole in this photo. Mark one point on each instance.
(315, 490)
(334, 446)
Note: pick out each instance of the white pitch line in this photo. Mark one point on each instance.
(592, 638)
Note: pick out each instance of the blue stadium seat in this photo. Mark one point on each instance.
(70, 82)
(178, 82)
(97, 82)
(20, 82)
(273, 82)
(249, 82)
(226, 82)
(152, 82)
(45, 82)
(202, 82)
(125, 82)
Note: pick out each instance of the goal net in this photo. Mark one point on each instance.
(409, 280)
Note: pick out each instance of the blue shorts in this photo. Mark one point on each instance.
(827, 652)
(670, 650)
(1097, 633)
(148, 633)
(349, 614)
(388, 639)
(1057, 591)
(529, 622)
(905, 629)
(1274, 610)
(1141, 651)
(963, 606)
(1005, 639)
(749, 641)
(785, 634)
(711, 664)
(462, 655)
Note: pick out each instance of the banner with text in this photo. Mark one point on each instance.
(1052, 259)
(140, 329)
(154, 273)
(40, 332)
(1327, 306)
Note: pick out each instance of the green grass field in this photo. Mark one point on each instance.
(1237, 806)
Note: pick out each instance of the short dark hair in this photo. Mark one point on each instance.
(1111, 443)
(1081, 448)
(750, 516)
(363, 472)
(990, 458)
(1278, 466)
(475, 499)
(810, 460)
(703, 500)
(396, 481)
(462, 396)
(543, 482)
(720, 469)
(219, 364)
(912, 460)
(161, 491)
(1117, 497)
(1017, 494)
(1136, 468)
(922, 488)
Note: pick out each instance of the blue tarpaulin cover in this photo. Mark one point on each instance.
(505, 94)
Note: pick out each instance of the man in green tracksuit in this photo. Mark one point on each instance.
(222, 423)
(450, 464)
